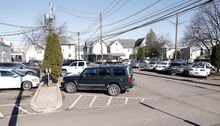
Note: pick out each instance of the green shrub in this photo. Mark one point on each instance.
(215, 57)
(53, 57)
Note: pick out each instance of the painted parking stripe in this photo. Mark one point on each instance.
(109, 101)
(93, 100)
(74, 103)
(22, 109)
(126, 101)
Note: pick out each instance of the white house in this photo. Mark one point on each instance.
(92, 51)
(35, 51)
(5, 52)
(121, 49)
(190, 53)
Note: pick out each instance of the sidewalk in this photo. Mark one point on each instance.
(212, 80)
(47, 99)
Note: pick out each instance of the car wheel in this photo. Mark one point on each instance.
(26, 85)
(30, 73)
(70, 87)
(63, 73)
(114, 90)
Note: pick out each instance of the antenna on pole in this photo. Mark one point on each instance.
(49, 18)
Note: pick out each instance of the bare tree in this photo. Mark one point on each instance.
(38, 35)
(204, 29)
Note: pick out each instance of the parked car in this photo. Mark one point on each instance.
(152, 65)
(163, 66)
(126, 61)
(200, 69)
(177, 68)
(67, 62)
(20, 67)
(74, 68)
(113, 79)
(10, 78)
(138, 64)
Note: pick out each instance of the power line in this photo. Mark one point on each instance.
(19, 26)
(19, 33)
(133, 14)
(117, 9)
(111, 6)
(154, 14)
(78, 12)
(158, 19)
(78, 16)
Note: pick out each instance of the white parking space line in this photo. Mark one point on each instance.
(74, 103)
(109, 101)
(7, 105)
(126, 101)
(22, 109)
(149, 98)
(93, 100)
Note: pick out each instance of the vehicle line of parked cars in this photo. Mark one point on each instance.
(197, 69)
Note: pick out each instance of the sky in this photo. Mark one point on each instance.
(83, 15)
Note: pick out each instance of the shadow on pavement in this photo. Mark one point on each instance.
(177, 117)
(15, 111)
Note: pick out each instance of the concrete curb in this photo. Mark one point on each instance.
(47, 99)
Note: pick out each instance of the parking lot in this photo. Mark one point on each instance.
(157, 99)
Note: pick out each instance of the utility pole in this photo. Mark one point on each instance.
(176, 38)
(78, 33)
(101, 37)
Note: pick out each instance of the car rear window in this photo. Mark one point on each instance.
(119, 71)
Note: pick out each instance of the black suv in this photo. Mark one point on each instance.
(113, 79)
(20, 67)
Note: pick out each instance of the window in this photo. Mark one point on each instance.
(81, 63)
(73, 64)
(6, 73)
(104, 72)
(119, 71)
(89, 73)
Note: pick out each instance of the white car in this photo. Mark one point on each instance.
(152, 65)
(163, 66)
(10, 78)
(201, 69)
(74, 68)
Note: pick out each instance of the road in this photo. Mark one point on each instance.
(153, 101)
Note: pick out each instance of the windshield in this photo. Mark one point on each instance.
(18, 72)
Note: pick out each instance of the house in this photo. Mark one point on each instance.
(18, 54)
(139, 43)
(121, 49)
(35, 51)
(191, 53)
(92, 51)
(5, 52)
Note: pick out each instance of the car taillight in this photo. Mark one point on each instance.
(202, 69)
(129, 79)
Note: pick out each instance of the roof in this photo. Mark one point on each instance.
(3, 44)
(66, 40)
(126, 43)
(138, 42)
(92, 43)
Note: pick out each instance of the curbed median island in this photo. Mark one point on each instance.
(47, 98)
